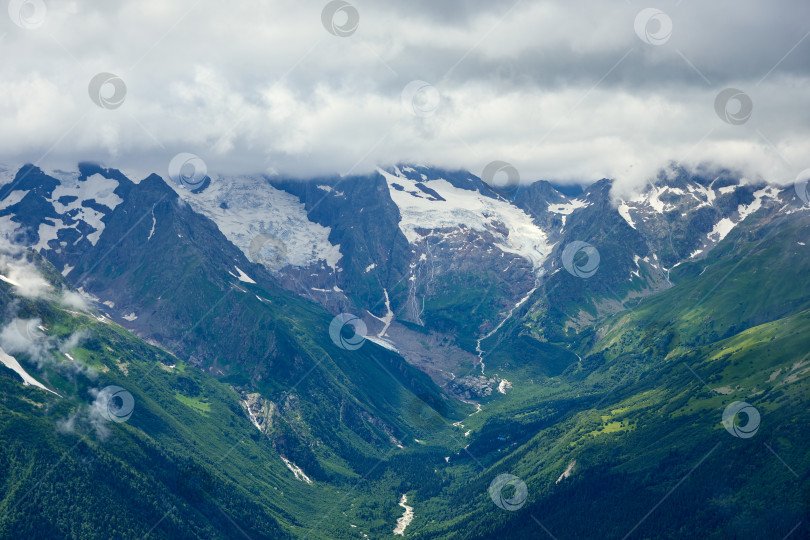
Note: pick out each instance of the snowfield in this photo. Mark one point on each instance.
(647, 204)
(463, 207)
(96, 188)
(244, 208)
(12, 363)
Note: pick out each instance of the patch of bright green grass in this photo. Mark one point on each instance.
(202, 407)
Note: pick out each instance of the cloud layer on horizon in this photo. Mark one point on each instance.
(563, 91)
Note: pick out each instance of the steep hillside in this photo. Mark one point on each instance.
(501, 360)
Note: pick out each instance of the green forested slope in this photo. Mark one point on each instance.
(632, 407)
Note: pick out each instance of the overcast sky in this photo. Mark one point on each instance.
(569, 91)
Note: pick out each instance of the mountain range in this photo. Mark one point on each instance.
(414, 350)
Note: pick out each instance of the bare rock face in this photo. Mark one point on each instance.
(260, 411)
(445, 262)
(472, 387)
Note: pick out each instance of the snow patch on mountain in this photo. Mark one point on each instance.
(243, 277)
(725, 225)
(708, 194)
(652, 198)
(721, 229)
(624, 211)
(330, 189)
(97, 188)
(465, 207)
(770, 192)
(49, 232)
(69, 200)
(154, 224)
(12, 363)
(387, 318)
(567, 208)
(637, 271)
(13, 198)
(247, 208)
(652, 209)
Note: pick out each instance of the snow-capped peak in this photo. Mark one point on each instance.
(442, 205)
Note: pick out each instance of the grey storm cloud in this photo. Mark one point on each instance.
(561, 90)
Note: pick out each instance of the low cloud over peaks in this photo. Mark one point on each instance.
(569, 92)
